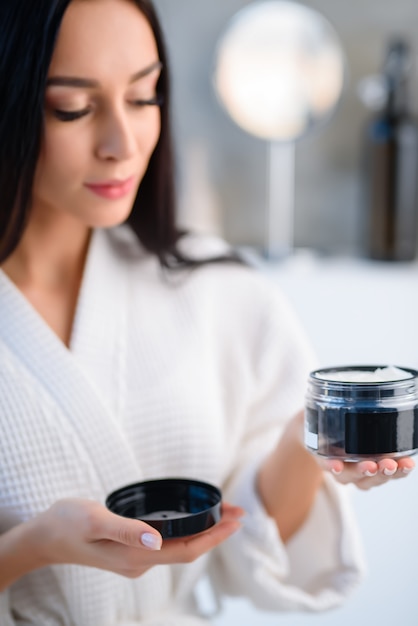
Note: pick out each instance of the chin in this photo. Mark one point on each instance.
(110, 218)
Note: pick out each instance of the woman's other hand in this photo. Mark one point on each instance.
(291, 476)
(368, 473)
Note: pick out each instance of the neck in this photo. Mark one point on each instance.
(51, 254)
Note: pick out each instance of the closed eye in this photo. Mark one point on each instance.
(70, 116)
(156, 101)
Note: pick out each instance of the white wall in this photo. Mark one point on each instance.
(359, 312)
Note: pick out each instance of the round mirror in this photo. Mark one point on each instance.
(279, 69)
(279, 73)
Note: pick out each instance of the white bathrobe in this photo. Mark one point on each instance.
(191, 375)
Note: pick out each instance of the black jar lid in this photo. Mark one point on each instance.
(176, 507)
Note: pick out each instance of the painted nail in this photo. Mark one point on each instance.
(151, 541)
(369, 474)
(407, 470)
(389, 472)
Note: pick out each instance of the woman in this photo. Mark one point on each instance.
(112, 372)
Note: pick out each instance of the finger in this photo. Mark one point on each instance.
(188, 549)
(396, 468)
(230, 518)
(368, 473)
(136, 533)
(405, 466)
(386, 469)
(232, 510)
(332, 465)
(133, 562)
(364, 474)
(350, 472)
(130, 532)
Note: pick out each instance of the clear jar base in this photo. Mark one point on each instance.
(356, 458)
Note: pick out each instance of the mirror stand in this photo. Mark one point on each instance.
(279, 233)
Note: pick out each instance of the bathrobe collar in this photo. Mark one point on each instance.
(85, 381)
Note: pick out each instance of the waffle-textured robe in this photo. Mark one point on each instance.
(192, 375)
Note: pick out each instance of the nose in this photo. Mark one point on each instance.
(116, 137)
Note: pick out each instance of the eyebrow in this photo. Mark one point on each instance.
(89, 83)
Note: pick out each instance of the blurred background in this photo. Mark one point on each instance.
(356, 310)
(222, 169)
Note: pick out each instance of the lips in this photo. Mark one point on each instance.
(112, 189)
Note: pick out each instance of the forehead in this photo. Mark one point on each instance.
(103, 36)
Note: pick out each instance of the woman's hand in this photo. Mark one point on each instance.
(368, 473)
(291, 476)
(84, 532)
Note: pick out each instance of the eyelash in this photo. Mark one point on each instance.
(71, 116)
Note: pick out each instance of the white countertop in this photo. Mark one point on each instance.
(355, 311)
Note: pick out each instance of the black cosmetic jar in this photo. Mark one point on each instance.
(358, 412)
(176, 507)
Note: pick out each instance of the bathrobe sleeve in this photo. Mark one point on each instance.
(323, 562)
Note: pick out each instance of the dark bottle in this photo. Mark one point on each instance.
(391, 166)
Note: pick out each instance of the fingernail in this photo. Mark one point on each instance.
(407, 470)
(336, 472)
(151, 541)
(369, 474)
(389, 472)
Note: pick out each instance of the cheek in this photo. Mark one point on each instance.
(60, 160)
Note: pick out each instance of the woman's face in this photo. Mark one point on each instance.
(102, 121)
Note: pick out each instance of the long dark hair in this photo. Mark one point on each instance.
(28, 33)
